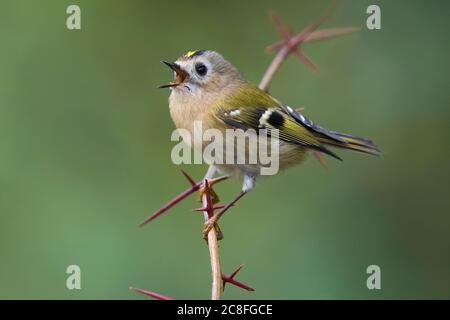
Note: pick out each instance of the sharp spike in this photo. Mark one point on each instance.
(152, 294)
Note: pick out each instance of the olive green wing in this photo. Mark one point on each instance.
(251, 108)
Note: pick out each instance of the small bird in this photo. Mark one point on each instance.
(210, 89)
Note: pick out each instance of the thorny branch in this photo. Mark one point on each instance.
(208, 212)
(290, 43)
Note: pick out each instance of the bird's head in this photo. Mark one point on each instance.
(201, 71)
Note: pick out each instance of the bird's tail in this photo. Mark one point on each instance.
(350, 142)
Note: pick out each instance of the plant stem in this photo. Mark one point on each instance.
(213, 245)
(273, 68)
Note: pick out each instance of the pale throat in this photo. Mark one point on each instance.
(187, 107)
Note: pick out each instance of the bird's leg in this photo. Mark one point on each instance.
(212, 222)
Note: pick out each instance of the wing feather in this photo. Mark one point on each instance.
(264, 112)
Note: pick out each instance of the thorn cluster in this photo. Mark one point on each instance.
(195, 186)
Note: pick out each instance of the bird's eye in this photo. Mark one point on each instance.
(201, 69)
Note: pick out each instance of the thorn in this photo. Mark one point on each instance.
(235, 272)
(230, 279)
(317, 35)
(303, 58)
(217, 180)
(195, 186)
(191, 181)
(171, 203)
(324, 34)
(321, 159)
(282, 28)
(152, 294)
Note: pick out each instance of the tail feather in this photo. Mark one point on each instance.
(333, 138)
(353, 143)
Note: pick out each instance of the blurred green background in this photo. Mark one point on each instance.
(85, 153)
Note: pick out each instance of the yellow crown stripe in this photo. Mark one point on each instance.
(191, 53)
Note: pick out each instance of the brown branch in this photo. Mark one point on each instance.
(213, 245)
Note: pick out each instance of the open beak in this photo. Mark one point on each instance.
(180, 75)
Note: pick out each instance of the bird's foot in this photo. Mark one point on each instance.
(207, 189)
(212, 222)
